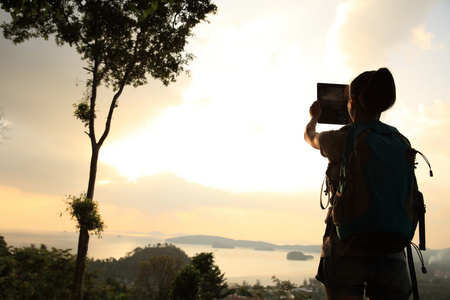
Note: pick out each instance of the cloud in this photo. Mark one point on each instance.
(424, 40)
(167, 192)
(365, 31)
(421, 38)
(424, 123)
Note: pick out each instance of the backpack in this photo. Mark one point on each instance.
(376, 204)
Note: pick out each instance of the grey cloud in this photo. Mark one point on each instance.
(169, 193)
(372, 28)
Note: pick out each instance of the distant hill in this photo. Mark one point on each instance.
(126, 268)
(210, 240)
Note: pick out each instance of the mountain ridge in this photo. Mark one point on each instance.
(211, 239)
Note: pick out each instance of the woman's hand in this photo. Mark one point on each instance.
(311, 136)
(315, 110)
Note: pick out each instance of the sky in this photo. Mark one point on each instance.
(221, 152)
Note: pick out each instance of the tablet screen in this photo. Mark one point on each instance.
(333, 101)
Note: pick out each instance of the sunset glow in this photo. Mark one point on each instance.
(221, 151)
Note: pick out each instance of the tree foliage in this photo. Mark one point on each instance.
(213, 285)
(85, 212)
(155, 277)
(40, 273)
(83, 112)
(121, 41)
(109, 289)
(35, 272)
(186, 285)
(126, 269)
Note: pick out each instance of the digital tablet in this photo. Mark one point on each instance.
(333, 101)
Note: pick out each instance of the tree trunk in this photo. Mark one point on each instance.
(93, 170)
(83, 242)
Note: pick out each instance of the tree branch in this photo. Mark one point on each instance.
(123, 82)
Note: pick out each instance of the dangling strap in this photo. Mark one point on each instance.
(326, 192)
(412, 273)
(426, 160)
(422, 210)
(421, 204)
(328, 182)
(412, 270)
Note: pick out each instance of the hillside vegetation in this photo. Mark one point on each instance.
(159, 271)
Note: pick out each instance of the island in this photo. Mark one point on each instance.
(297, 255)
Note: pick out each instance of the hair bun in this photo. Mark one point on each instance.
(379, 93)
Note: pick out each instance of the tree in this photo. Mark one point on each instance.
(212, 284)
(244, 290)
(156, 276)
(109, 289)
(186, 285)
(35, 273)
(282, 289)
(121, 42)
(126, 269)
(259, 290)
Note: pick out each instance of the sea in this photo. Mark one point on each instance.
(238, 264)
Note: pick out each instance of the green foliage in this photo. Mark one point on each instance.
(212, 285)
(85, 212)
(186, 285)
(121, 41)
(156, 276)
(258, 290)
(83, 112)
(316, 287)
(245, 290)
(109, 289)
(40, 273)
(3, 246)
(282, 289)
(125, 270)
(8, 281)
(36, 273)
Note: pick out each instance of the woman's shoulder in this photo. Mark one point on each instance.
(332, 142)
(335, 134)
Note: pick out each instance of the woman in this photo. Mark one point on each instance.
(382, 276)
